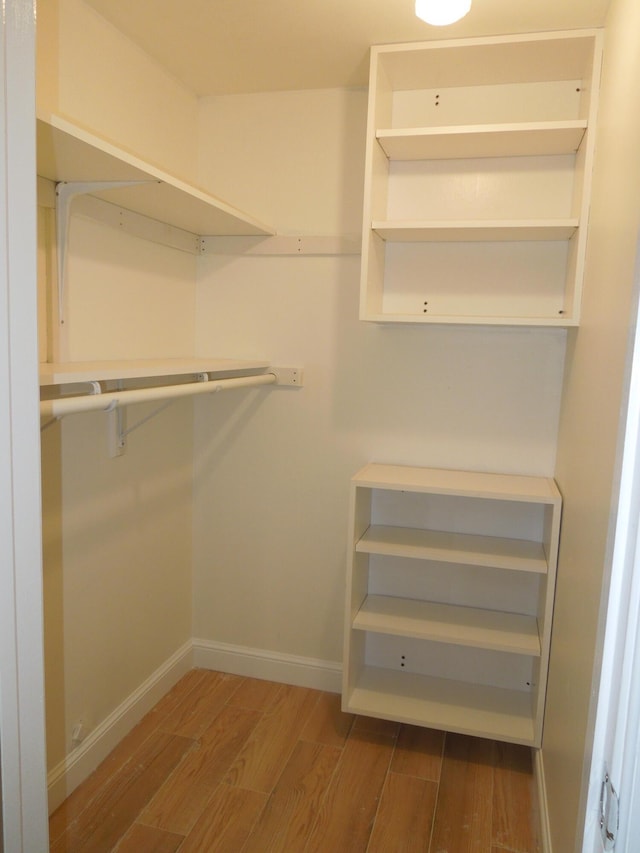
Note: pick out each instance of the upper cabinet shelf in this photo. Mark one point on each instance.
(477, 179)
(478, 231)
(499, 140)
(69, 153)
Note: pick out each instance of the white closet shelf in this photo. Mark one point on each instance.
(461, 548)
(560, 322)
(471, 141)
(453, 706)
(489, 60)
(68, 153)
(472, 231)
(448, 481)
(103, 371)
(445, 623)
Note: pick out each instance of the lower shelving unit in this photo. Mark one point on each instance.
(445, 704)
(450, 588)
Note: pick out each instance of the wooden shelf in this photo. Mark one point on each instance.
(560, 322)
(102, 371)
(488, 60)
(463, 548)
(445, 481)
(449, 705)
(444, 623)
(472, 231)
(500, 140)
(69, 153)
(449, 124)
(438, 642)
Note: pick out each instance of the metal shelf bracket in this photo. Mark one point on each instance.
(65, 193)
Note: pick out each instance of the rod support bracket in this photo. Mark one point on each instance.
(288, 376)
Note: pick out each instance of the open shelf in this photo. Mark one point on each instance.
(449, 705)
(475, 231)
(477, 141)
(449, 602)
(462, 548)
(500, 140)
(103, 371)
(444, 623)
(449, 481)
(67, 152)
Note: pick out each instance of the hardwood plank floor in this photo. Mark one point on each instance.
(240, 765)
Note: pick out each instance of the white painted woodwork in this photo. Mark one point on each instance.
(465, 232)
(508, 140)
(445, 704)
(479, 141)
(406, 617)
(465, 548)
(436, 637)
(23, 814)
(102, 371)
(67, 152)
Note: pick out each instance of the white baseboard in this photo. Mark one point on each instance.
(543, 811)
(272, 666)
(239, 660)
(75, 768)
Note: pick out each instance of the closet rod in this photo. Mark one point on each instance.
(112, 399)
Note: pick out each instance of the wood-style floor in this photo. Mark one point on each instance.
(239, 765)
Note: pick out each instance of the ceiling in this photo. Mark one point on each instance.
(231, 46)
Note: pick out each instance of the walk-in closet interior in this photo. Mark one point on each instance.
(373, 318)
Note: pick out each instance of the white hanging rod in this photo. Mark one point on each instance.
(111, 400)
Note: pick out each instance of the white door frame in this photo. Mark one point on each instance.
(22, 741)
(617, 733)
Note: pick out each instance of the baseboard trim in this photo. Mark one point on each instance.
(75, 768)
(273, 666)
(543, 811)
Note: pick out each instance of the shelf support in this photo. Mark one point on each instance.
(117, 429)
(65, 193)
(113, 403)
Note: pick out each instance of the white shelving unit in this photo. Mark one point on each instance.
(68, 153)
(105, 371)
(450, 593)
(477, 179)
(107, 386)
(80, 163)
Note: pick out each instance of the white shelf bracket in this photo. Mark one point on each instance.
(113, 402)
(116, 423)
(117, 429)
(65, 193)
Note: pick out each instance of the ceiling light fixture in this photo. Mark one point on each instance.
(442, 12)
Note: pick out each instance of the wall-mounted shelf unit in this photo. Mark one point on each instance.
(109, 386)
(82, 164)
(72, 388)
(450, 591)
(477, 179)
(105, 371)
(68, 153)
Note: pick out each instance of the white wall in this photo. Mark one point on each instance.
(587, 450)
(272, 468)
(89, 72)
(117, 532)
